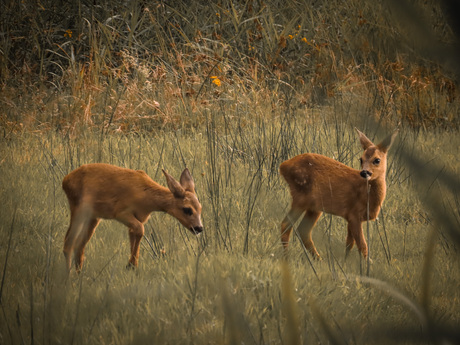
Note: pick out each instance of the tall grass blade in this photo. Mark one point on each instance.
(390, 290)
(332, 337)
(426, 272)
(7, 254)
(292, 329)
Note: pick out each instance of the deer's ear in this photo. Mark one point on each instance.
(365, 141)
(386, 143)
(186, 181)
(174, 186)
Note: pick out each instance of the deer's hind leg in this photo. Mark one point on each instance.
(287, 224)
(80, 219)
(85, 236)
(68, 244)
(70, 237)
(305, 229)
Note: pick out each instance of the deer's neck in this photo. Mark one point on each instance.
(159, 198)
(377, 191)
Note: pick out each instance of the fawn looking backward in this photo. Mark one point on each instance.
(320, 184)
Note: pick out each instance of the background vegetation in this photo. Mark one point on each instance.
(229, 89)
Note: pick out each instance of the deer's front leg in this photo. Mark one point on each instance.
(136, 232)
(355, 232)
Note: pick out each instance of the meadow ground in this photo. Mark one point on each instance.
(229, 284)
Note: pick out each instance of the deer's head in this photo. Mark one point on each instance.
(186, 208)
(374, 158)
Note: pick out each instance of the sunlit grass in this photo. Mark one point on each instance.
(225, 285)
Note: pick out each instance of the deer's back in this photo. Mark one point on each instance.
(105, 185)
(320, 183)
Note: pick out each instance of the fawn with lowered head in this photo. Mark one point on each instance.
(320, 184)
(98, 190)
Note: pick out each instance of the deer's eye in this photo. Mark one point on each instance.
(361, 161)
(188, 211)
(376, 161)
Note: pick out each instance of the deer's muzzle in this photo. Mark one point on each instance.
(196, 229)
(365, 174)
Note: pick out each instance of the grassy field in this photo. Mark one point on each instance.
(229, 90)
(227, 284)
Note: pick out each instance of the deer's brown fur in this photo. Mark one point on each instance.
(320, 184)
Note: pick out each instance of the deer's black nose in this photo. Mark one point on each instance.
(365, 174)
(196, 229)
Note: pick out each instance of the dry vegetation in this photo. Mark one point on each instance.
(133, 66)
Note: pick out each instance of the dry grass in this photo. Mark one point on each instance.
(132, 67)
